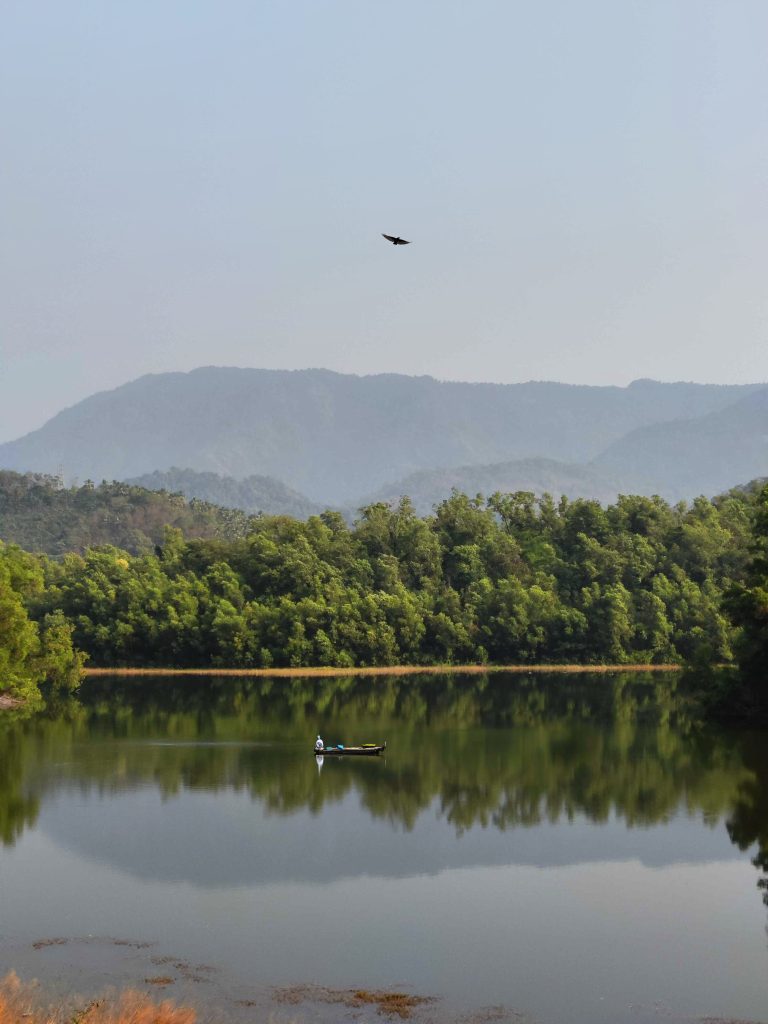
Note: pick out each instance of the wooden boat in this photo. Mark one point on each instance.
(365, 748)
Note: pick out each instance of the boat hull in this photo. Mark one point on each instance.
(353, 751)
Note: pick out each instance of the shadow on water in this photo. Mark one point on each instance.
(492, 753)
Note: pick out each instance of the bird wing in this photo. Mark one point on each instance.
(402, 241)
(389, 238)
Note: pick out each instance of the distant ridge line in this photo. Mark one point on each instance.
(333, 438)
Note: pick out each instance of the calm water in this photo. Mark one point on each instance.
(577, 849)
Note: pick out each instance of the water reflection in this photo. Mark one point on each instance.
(748, 821)
(481, 756)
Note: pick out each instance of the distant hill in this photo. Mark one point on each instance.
(335, 437)
(38, 514)
(702, 455)
(429, 487)
(254, 494)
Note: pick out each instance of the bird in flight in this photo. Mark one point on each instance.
(394, 239)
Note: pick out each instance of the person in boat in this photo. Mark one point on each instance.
(319, 745)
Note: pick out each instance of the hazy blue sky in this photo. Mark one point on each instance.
(185, 183)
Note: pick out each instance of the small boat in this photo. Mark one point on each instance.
(365, 748)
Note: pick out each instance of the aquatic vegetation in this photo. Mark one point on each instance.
(387, 1003)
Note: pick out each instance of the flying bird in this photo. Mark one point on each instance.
(394, 239)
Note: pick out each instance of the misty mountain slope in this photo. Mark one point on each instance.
(334, 436)
(428, 487)
(697, 456)
(254, 494)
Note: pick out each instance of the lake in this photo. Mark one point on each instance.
(545, 848)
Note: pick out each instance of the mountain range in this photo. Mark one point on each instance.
(311, 438)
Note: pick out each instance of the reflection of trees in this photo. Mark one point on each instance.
(18, 808)
(748, 822)
(558, 769)
(597, 746)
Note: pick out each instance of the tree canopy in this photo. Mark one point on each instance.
(31, 651)
(512, 579)
(747, 602)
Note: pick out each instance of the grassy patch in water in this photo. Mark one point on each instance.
(387, 1003)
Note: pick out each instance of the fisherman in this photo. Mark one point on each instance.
(319, 745)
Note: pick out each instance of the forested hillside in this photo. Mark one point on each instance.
(510, 580)
(426, 489)
(429, 487)
(38, 514)
(254, 494)
(337, 437)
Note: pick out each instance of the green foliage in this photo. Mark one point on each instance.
(747, 601)
(30, 653)
(18, 637)
(514, 579)
(60, 663)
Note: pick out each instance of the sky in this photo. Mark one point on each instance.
(193, 183)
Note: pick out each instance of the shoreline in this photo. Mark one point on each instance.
(8, 703)
(379, 670)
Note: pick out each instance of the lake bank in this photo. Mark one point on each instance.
(378, 670)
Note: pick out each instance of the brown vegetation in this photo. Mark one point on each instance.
(20, 1002)
(378, 670)
(393, 1004)
(389, 1004)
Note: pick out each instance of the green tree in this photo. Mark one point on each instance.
(29, 654)
(747, 603)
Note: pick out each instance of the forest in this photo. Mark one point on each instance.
(513, 579)
(39, 514)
